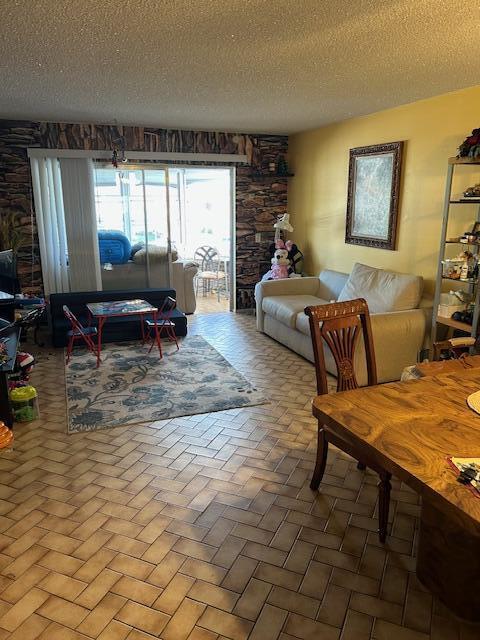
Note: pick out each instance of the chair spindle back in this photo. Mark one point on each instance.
(340, 325)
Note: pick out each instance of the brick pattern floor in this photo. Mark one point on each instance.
(204, 528)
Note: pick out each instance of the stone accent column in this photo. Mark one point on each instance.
(16, 195)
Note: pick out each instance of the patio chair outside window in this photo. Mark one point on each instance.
(212, 273)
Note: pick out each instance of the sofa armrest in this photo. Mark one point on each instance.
(183, 274)
(398, 338)
(284, 287)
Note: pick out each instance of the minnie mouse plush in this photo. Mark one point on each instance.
(281, 267)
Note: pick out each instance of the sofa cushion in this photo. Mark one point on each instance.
(331, 283)
(384, 291)
(285, 308)
(302, 323)
(156, 253)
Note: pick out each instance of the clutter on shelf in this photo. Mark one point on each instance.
(472, 192)
(470, 147)
(462, 267)
(450, 304)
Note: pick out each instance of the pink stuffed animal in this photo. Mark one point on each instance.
(280, 262)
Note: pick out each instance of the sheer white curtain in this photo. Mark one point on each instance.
(81, 224)
(50, 216)
(67, 229)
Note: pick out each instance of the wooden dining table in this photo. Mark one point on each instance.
(411, 429)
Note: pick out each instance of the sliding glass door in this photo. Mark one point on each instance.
(133, 230)
(136, 226)
(152, 219)
(201, 220)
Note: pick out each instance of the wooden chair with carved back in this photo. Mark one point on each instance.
(340, 325)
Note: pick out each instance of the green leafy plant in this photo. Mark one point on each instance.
(11, 236)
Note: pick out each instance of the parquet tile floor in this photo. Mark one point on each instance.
(204, 528)
(209, 303)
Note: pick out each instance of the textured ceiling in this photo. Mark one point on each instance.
(244, 65)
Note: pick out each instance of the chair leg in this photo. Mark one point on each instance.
(92, 347)
(172, 336)
(322, 450)
(384, 488)
(152, 345)
(69, 349)
(361, 466)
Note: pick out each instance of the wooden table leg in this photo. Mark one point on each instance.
(448, 562)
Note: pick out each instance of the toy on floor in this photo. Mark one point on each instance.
(6, 436)
(24, 401)
(21, 373)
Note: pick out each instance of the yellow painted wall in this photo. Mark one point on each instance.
(432, 130)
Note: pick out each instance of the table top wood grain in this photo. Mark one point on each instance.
(410, 428)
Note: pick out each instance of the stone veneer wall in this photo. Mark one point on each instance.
(258, 202)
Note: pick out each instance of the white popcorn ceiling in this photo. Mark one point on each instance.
(235, 65)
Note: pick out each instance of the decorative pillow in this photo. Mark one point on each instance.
(155, 254)
(384, 291)
(136, 247)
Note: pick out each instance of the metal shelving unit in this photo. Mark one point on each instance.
(472, 284)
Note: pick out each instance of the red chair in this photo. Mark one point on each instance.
(164, 322)
(79, 332)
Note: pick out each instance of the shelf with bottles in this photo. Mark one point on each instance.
(462, 268)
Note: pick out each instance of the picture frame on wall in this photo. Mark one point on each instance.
(373, 195)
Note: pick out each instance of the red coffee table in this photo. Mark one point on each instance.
(104, 310)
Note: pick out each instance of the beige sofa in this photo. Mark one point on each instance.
(399, 333)
(132, 276)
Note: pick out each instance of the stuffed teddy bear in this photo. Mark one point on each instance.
(280, 262)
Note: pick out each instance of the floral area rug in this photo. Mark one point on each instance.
(132, 386)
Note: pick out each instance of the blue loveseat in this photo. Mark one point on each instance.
(117, 329)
